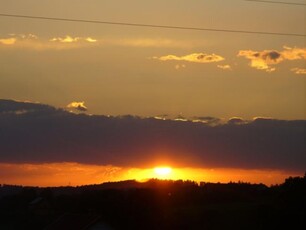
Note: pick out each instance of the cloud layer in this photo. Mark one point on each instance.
(36, 133)
(68, 42)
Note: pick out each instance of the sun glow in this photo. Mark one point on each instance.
(63, 174)
(162, 172)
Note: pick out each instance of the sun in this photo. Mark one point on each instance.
(162, 172)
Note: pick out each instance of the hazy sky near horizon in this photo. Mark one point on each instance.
(144, 71)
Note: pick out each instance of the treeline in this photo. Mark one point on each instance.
(156, 204)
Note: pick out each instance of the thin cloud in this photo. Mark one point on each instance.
(66, 39)
(264, 60)
(262, 118)
(224, 67)
(24, 36)
(194, 57)
(8, 41)
(14, 38)
(92, 40)
(299, 71)
(31, 41)
(69, 39)
(294, 53)
(71, 42)
(211, 121)
(149, 42)
(80, 106)
(177, 67)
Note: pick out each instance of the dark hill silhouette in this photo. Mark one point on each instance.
(157, 204)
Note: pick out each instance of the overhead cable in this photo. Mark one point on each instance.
(278, 2)
(151, 25)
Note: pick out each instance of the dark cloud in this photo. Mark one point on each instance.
(236, 121)
(208, 120)
(10, 106)
(47, 134)
(272, 55)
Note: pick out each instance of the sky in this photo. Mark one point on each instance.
(184, 75)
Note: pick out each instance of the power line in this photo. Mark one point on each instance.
(151, 25)
(277, 2)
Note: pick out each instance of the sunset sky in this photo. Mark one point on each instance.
(208, 104)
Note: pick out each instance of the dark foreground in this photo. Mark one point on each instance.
(156, 205)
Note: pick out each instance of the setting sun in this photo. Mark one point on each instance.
(162, 172)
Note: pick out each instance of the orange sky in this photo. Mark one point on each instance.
(63, 174)
(148, 72)
(200, 79)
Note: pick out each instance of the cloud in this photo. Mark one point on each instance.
(212, 121)
(14, 38)
(195, 57)
(46, 134)
(149, 42)
(31, 41)
(8, 41)
(177, 67)
(24, 36)
(71, 42)
(224, 67)
(294, 53)
(66, 39)
(78, 106)
(263, 60)
(298, 70)
(69, 39)
(92, 40)
(22, 107)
